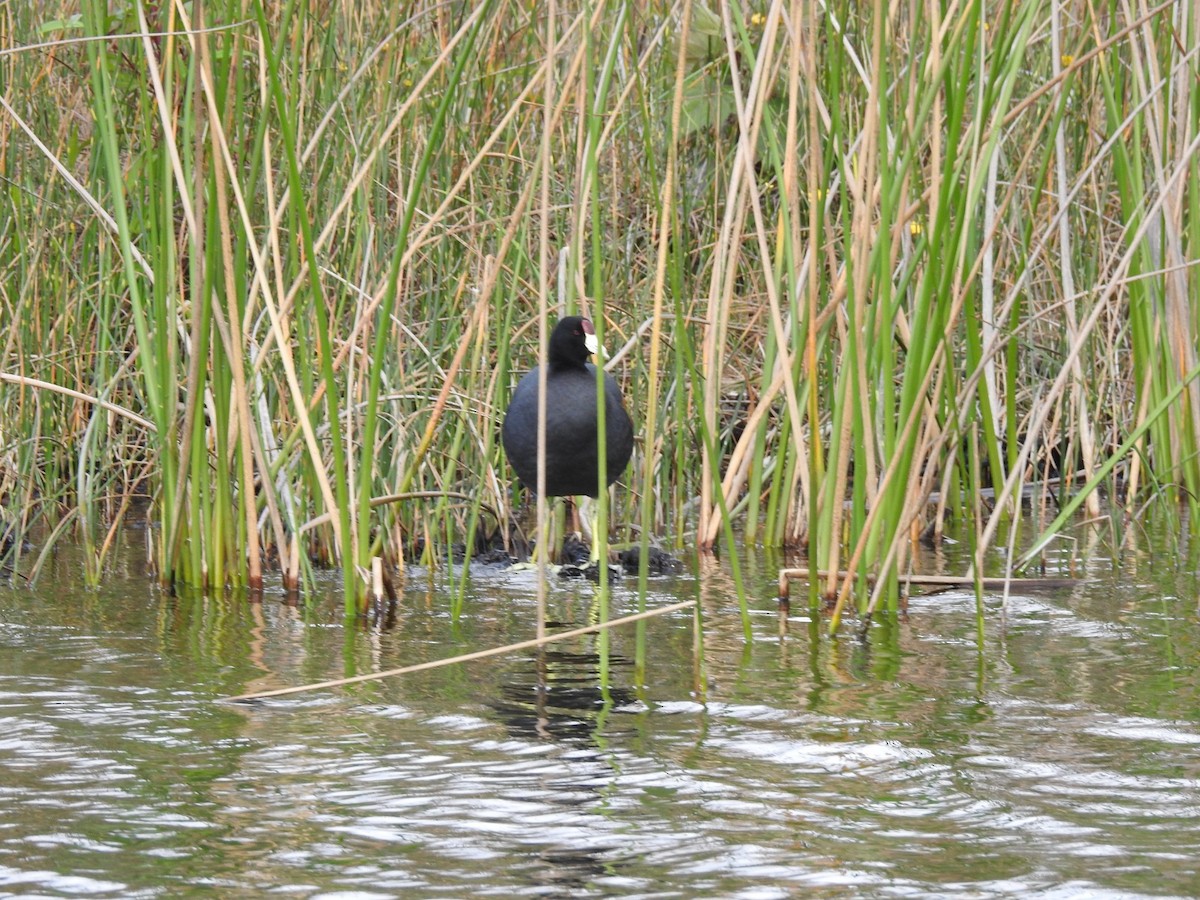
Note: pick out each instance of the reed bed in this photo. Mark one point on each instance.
(265, 265)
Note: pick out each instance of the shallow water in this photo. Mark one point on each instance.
(1059, 757)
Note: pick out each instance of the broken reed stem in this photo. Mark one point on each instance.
(467, 657)
(801, 574)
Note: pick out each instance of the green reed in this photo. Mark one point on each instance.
(863, 262)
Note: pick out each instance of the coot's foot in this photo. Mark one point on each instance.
(658, 562)
(574, 551)
(591, 572)
(495, 556)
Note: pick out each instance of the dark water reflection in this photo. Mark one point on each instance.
(1059, 758)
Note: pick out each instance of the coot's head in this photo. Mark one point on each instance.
(572, 342)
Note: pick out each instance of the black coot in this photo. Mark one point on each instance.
(571, 445)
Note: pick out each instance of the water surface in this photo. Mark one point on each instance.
(1059, 757)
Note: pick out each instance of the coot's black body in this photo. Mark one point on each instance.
(571, 445)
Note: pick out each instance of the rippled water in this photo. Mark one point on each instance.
(1059, 758)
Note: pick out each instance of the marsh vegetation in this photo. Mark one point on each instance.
(267, 265)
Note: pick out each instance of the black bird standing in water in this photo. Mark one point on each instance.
(572, 445)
